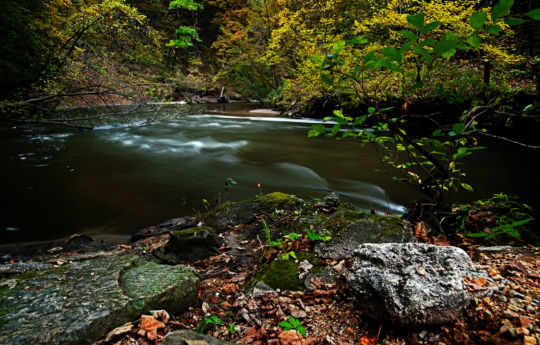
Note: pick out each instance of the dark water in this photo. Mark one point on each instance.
(118, 179)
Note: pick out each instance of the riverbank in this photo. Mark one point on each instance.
(249, 242)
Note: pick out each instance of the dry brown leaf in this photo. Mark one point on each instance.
(118, 331)
(150, 325)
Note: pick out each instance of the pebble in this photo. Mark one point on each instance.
(421, 271)
(503, 298)
(516, 294)
(510, 314)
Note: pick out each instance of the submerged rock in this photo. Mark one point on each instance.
(411, 284)
(244, 212)
(349, 229)
(188, 337)
(189, 245)
(80, 302)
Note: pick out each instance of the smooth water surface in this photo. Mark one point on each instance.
(118, 179)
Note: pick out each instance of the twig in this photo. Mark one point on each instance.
(534, 147)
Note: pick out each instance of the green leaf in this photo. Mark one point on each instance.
(369, 57)
(448, 54)
(408, 34)
(338, 113)
(392, 53)
(534, 14)
(514, 21)
(335, 129)
(467, 187)
(501, 9)
(477, 20)
(338, 46)
(294, 322)
(416, 20)
(437, 133)
(359, 120)
(474, 41)
(493, 29)
(431, 26)
(445, 45)
(316, 130)
(458, 128)
(371, 110)
(327, 79)
(427, 42)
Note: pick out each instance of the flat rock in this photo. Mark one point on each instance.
(349, 229)
(188, 337)
(80, 302)
(411, 284)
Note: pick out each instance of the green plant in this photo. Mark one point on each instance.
(208, 323)
(489, 218)
(313, 236)
(232, 329)
(293, 324)
(288, 255)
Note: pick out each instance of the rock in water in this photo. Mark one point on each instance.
(189, 245)
(411, 284)
(79, 303)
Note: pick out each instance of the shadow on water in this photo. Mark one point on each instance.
(117, 179)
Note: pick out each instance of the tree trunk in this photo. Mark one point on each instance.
(487, 72)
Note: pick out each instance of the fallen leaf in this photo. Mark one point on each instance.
(150, 325)
(161, 314)
(119, 331)
(368, 340)
(291, 337)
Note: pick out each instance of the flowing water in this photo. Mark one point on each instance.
(118, 179)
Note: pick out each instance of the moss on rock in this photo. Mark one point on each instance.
(283, 274)
(244, 212)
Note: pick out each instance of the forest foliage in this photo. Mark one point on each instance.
(265, 49)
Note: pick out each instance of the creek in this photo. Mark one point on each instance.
(117, 179)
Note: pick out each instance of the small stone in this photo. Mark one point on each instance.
(488, 315)
(423, 334)
(503, 298)
(205, 307)
(516, 294)
(510, 314)
(421, 271)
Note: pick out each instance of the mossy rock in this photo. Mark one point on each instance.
(230, 214)
(80, 302)
(350, 228)
(283, 274)
(189, 245)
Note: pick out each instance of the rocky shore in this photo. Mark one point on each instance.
(273, 270)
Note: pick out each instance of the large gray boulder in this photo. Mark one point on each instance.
(349, 229)
(80, 302)
(411, 284)
(188, 337)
